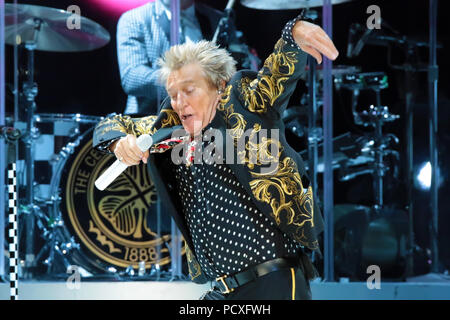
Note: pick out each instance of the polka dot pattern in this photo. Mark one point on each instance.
(228, 231)
(286, 34)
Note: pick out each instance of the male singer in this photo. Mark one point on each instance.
(247, 229)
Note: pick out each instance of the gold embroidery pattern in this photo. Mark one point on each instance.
(235, 120)
(284, 192)
(115, 123)
(144, 125)
(237, 123)
(193, 265)
(281, 188)
(258, 153)
(127, 125)
(171, 118)
(139, 126)
(225, 98)
(262, 92)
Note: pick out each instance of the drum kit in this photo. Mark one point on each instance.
(64, 220)
(381, 234)
(356, 226)
(363, 235)
(110, 233)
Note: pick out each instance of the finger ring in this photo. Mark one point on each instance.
(121, 158)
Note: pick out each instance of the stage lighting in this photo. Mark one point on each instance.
(423, 178)
(118, 6)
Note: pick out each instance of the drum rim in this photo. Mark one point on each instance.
(66, 117)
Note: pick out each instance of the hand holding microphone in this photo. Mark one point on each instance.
(129, 151)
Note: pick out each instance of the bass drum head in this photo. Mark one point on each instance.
(116, 227)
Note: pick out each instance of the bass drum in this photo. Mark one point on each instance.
(115, 228)
(365, 237)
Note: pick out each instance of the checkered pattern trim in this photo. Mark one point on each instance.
(13, 233)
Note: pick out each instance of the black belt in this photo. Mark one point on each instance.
(227, 283)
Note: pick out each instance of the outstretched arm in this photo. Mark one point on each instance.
(278, 77)
(313, 40)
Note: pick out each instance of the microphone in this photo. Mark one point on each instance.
(143, 142)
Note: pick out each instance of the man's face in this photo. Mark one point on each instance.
(192, 97)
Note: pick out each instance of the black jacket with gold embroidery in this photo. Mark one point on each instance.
(252, 102)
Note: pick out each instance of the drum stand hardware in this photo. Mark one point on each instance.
(410, 68)
(315, 133)
(433, 71)
(50, 228)
(226, 36)
(371, 229)
(51, 232)
(377, 144)
(30, 91)
(376, 117)
(44, 29)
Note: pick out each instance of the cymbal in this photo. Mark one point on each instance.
(54, 33)
(286, 4)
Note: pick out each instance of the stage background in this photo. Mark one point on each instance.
(89, 83)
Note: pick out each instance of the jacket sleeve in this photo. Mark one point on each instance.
(138, 74)
(117, 126)
(277, 79)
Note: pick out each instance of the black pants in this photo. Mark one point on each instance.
(285, 284)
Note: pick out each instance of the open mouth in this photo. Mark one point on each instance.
(186, 116)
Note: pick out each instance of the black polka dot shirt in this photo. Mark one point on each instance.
(229, 233)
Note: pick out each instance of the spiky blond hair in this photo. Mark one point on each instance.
(217, 64)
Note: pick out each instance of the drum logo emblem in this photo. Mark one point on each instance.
(115, 224)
